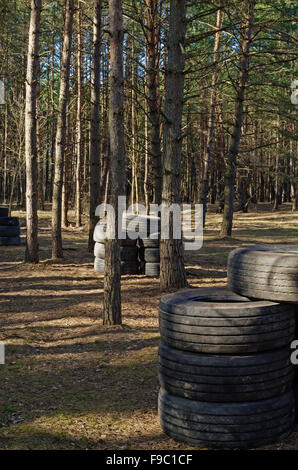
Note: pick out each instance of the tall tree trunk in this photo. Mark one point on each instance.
(154, 95)
(172, 272)
(146, 162)
(211, 121)
(79, 120)
(57, 251)
(276, 183)
(66, 172)
(112, 278)
(105, 138)
(293, 173)
(5, 132)
(94, 189)
(39, 148)
(32, 78)
(231, 157)
(133, 123)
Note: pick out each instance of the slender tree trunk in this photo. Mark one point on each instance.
(94, 189)
(39, 147)
(32, 78)
(5, 134)
(294, 173)
(172, 272)
(276, 183)
(79, 120)
(12, 190)
(153, 95)
(231, 157)
(66, 172)
(105, 139)
(112, 278)
(146, 162)
(57, 251)
(53, 130)
(211, 123)
(133, 123)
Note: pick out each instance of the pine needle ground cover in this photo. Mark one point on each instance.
(69, 382)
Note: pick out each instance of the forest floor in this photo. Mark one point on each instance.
(69, 382)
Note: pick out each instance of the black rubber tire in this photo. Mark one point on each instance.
(3, 211)
(97, 234)
(9, 231)
(130, 267)
(268, 272)
(151, 255)
(150, 242)
(9, 222)
(225, 379)
(99, 265)
(127, 253)
(142, 224)
(152, 269)
(217, 321)
(142, 267)
(10, 241)
(97, 237)
(227, 426)
(141, 254)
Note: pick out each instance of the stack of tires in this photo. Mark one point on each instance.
(139, 256)
(9, 229)
(128, 254)
(149, 255)
(149, 228)
(224, 358)
(268, 272)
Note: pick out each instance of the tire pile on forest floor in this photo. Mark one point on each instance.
(139, 256)
(224, 359)
(128, 256)
(149, 255)
(9, 229)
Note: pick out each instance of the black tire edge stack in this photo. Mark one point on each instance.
(224, 358)
(149, 255)
(267, 272)
(140, 256)
(128, 256)
(9, 229)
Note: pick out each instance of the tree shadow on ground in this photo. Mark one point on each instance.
(85, 390)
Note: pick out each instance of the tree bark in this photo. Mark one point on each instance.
(172, 272)
(79, 119)
(133, 193)
(32, 78)
(57, 251)
(40, 163)
(94, 188)
(112, 278)
(231, 157)
(293, 174)
(276, 183)
(105, 139)
(66, 172)
(152, 24)
(211, 121)
(146, 160)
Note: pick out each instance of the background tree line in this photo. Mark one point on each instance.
(203, 99)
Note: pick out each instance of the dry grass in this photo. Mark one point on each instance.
(69, 382)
